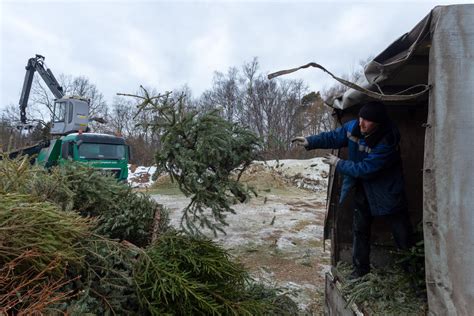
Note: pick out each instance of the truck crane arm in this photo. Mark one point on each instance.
(37, 64)
(69, 125)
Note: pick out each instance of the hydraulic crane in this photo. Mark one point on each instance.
(72, 142)
(70, 114)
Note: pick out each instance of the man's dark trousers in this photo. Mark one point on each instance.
(361, 225)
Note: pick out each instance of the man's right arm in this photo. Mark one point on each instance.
(334, 139)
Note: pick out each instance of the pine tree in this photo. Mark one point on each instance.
(205, 154)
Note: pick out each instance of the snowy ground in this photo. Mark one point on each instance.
(140, 177)
(277, 235)
(309, 174)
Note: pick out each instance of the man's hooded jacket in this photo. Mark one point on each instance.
(373, 159)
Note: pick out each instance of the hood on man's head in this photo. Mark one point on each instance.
(374, 111)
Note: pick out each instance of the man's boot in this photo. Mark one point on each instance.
(357, 274)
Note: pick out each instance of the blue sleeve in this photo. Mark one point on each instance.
(334, 139)
(382, 156)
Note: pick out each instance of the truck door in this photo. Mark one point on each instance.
(67, 150)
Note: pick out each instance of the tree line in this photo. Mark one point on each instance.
(275, 110)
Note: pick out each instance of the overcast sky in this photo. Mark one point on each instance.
(120, 45)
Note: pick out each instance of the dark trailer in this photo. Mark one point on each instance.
(437, 148)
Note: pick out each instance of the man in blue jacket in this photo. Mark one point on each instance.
(374, 170)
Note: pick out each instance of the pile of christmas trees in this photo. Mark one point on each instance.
(75, 241)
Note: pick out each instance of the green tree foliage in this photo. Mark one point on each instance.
(121, 213)
(206, 155)
(178, 274)
(48, 225)
(191, 275)
(27, 224)
(383, 291)
(38, 243)
(106, 281)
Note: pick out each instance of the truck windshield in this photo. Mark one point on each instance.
(101, 151)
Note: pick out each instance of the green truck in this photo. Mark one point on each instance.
(70, 140)
(108, 153)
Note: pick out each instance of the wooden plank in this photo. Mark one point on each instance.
(334, 302)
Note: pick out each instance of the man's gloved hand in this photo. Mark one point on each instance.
(300, 141)
(330, 159)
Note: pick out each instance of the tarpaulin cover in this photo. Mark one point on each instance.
(448, 172)
(448, 180)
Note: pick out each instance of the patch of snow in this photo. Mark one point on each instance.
(285, 243)
(310, 231)
(324, 268)
(309, 174)
(140, 177)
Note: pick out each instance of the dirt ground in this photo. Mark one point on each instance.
(277, 235)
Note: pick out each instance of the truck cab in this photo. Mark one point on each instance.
(70, 114)
(100, 151)
(70, 118)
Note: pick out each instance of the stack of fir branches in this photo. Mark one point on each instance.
(387, 291)
(80, 242)
(119, 211)
(189, 275)
(38, 243)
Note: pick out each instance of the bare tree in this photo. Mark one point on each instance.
(41, 101)
(120, 117)
(268, 107)
(81, 86)
(315, 116)
(8, 134)
(353, 76)
(224, 94)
